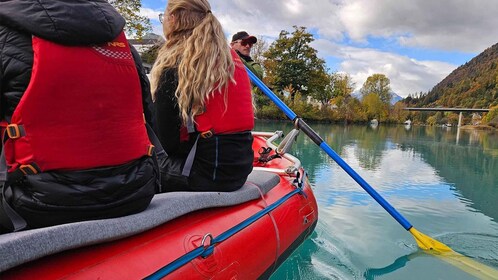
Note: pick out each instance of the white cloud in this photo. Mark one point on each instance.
(447, 25)
(151, 14)
(407, 75)
(462, 25)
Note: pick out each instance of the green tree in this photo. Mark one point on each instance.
(291, 61)
(150, 55)
(322, 89)
(378, 84)
(136, 24)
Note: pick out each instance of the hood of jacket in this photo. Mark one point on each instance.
(68, 22)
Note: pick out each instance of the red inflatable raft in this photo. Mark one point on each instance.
(244, 234)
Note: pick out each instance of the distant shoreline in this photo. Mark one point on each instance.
(479, 127)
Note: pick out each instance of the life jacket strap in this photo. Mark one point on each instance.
(190, 125)
(15, 131)
(207, 134)
(150, 150)
(9, 218)
(189, 161)
(30, 169)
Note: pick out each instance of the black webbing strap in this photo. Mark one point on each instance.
(187, 167)
(9, 218)
(18, 222)
(189, 162)
(190, 125)
(155, 141)
(158, 152)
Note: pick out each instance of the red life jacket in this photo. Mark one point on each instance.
(82, 109)
(237, 114)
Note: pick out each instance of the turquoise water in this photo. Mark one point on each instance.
(442, 180)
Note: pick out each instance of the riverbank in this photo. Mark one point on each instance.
(479, 127)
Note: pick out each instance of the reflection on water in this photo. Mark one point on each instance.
(446, 187)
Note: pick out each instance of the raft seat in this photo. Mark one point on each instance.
(21, 247)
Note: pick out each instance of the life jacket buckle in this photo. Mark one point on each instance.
(207, 134)
(150, 150)
(29, 169)
(13, 131)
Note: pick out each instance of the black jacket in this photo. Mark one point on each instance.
(68, 22)
(55, 197)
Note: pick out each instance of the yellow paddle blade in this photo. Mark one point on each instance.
(427, 243)
(446, 254)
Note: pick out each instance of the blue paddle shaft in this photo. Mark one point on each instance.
(327, 149)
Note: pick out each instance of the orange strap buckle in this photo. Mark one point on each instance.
(207, 134)
(28, 169)
(13, 131)
(150, 150)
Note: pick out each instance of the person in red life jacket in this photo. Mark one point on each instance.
(203, 103)
(74, 102)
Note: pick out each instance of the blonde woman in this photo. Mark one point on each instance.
(203, 103)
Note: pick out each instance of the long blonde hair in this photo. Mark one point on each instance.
(196, 45)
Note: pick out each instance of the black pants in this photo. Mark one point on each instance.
(222, 163)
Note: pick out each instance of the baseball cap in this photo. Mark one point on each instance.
(244, 36)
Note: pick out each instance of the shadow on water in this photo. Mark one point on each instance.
(470, 244)
(373, 273)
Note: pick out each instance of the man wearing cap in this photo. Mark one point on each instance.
(242, 43)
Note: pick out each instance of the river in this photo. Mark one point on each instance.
(444, 181)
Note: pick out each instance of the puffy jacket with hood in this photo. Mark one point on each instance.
(59, 197)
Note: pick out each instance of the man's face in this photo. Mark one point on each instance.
(243, 47)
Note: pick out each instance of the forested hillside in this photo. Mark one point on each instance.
(472, 85)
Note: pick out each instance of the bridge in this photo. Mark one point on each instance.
(460, 110)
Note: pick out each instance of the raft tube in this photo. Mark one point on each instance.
(244, 234)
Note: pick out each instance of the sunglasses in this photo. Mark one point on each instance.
(246, 43)
(163, 17)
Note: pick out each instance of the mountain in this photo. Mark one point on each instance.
(472, 85)
(394, 97)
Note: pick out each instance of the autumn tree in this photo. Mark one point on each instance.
(342, 87)
(378, 84)
(258, 50)
(136, 24)
(373, 105)
(398, 113)
(291, 61)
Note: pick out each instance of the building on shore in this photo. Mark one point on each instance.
(146, 42)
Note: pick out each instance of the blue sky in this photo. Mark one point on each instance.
(415, 43)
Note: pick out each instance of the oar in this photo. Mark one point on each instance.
(424, 242)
